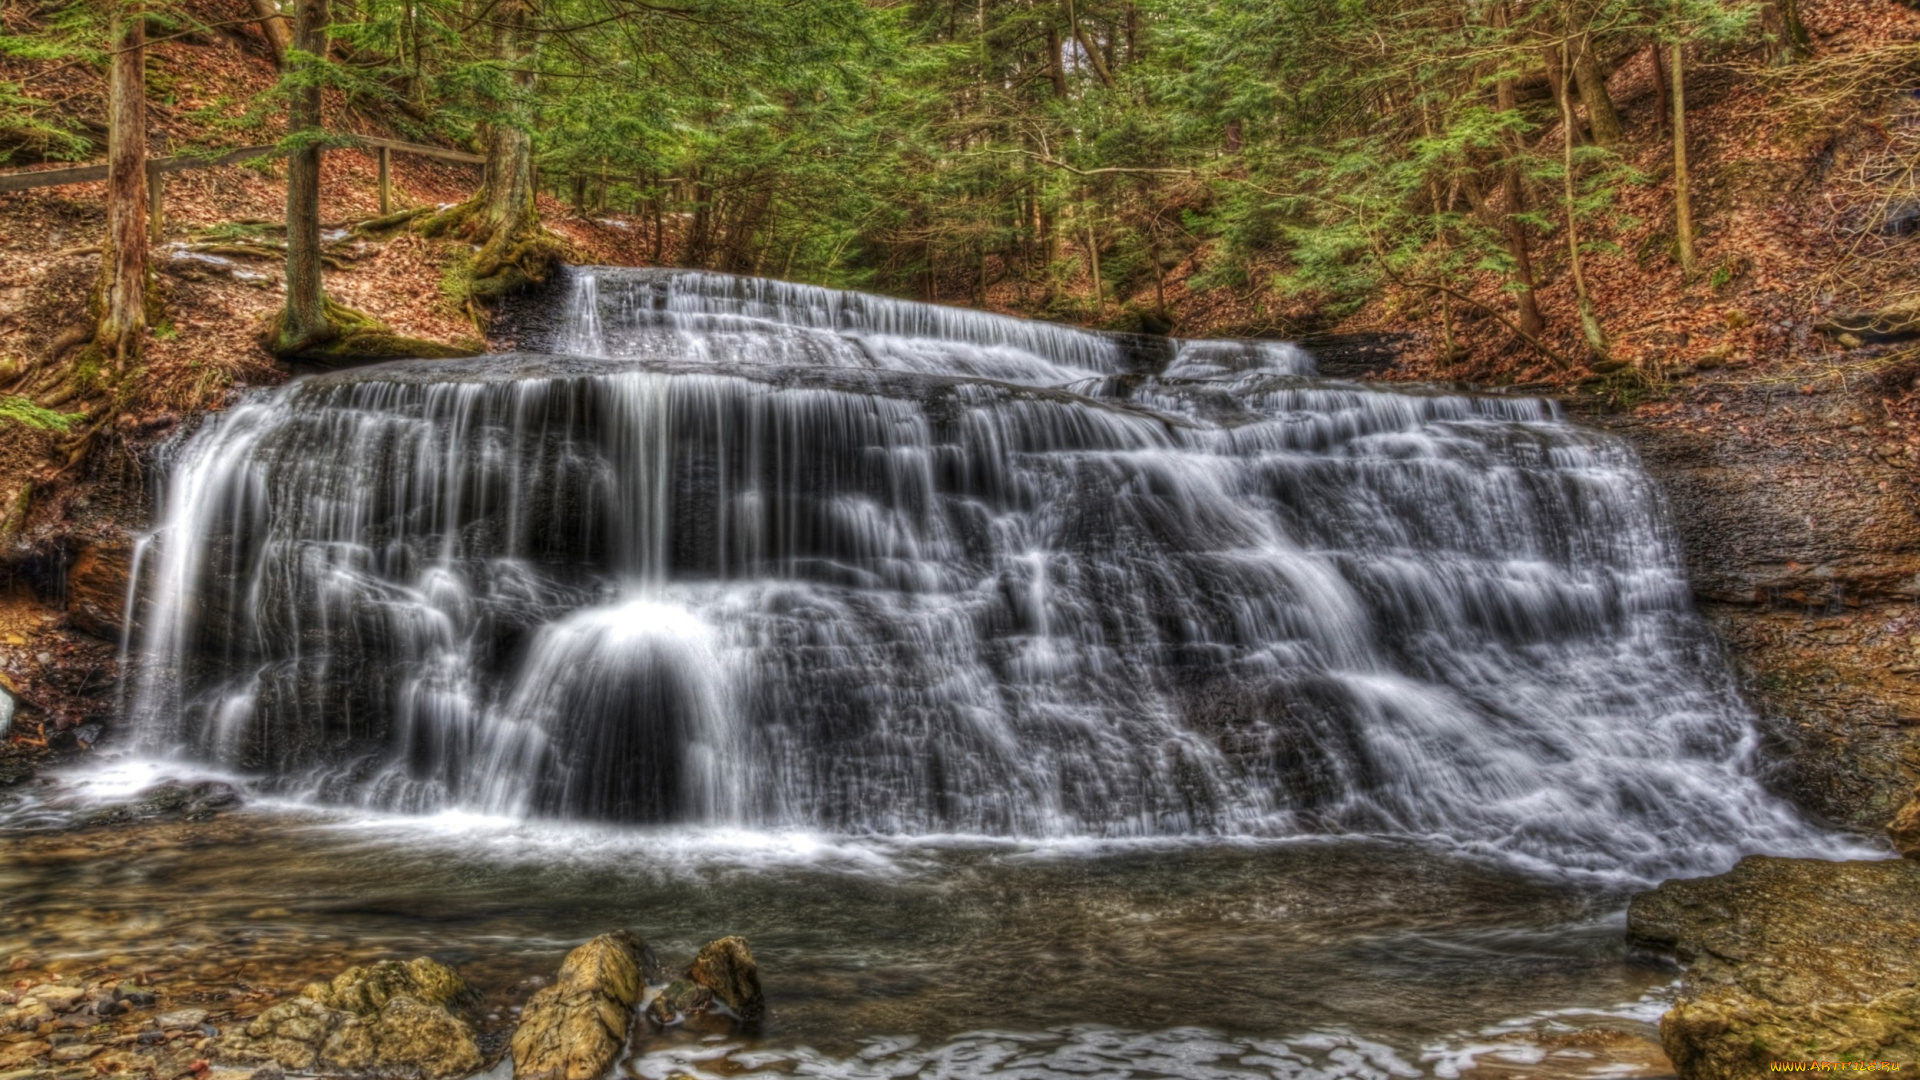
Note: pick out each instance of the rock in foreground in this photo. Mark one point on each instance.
(575, 1028)
(391, 1018)
(726, 968)
(1790, 960)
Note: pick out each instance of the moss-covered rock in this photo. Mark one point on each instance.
(389, 1018)
(1789, 960)
(366, 989)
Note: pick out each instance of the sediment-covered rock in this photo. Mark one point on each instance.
(392, 1018)
(575, 1028)
(1789, 960)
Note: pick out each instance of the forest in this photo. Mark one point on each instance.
(1077, 160)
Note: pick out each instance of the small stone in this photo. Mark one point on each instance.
(181, 1019)
(72, 1052)
(270, 1071)
(21, 1053)
(56, 997)
(26, 1016)
(682, 998)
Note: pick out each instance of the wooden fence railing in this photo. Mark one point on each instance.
(158, 168)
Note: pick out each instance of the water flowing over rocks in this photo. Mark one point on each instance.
(576, 1027)
(1789, 960)
(735, 552)
(392, 1018)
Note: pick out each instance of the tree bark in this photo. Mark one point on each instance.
(1515, 197)
(304, 323)
(1602, 119)
(1682, 193)
(1662, 93)
(273, 26)
(123, 258)
(1590, 327)
(1056, 68)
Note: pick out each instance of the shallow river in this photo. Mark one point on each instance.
(929, 958)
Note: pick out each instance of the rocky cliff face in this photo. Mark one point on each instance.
(1796, 507)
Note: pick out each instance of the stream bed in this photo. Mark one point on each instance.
(924, 957)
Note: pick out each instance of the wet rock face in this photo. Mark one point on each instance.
(170, 800)
(1790, 960)
(390, 1018)
(575, 1028)
(97, 588)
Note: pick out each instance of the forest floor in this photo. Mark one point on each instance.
(1789, 453)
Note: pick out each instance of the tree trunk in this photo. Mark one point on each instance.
(1056, 67)
(123, 259)
(1781, 18)
(1662, 95)
(304, 323)
(506, 204)
(1515, 196)
(273, 26)
(1094, 58)
(1531, 320)
(1682, 194)
(1590, 327)
(1602, 120)
(1557, 85)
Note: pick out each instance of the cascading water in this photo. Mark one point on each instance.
(735, 551)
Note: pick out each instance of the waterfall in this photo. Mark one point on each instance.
(736, 551)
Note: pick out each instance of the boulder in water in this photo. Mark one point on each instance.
(391, 1018)
(726, 967)
(575, 1028)
(1789, 960)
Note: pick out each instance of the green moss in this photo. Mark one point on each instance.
(19, 410)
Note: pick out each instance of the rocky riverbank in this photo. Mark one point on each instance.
(1789, 960)
(412, 1020)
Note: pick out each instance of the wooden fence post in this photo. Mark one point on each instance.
(386, 181)
(156, 201)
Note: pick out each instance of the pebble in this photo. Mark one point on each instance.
(181, 1019)
(62, 1055)
(56, 997)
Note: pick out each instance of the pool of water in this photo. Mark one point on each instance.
(932, 957)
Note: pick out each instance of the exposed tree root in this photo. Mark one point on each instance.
(379, 228)
(510, 258)
(352, 337)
